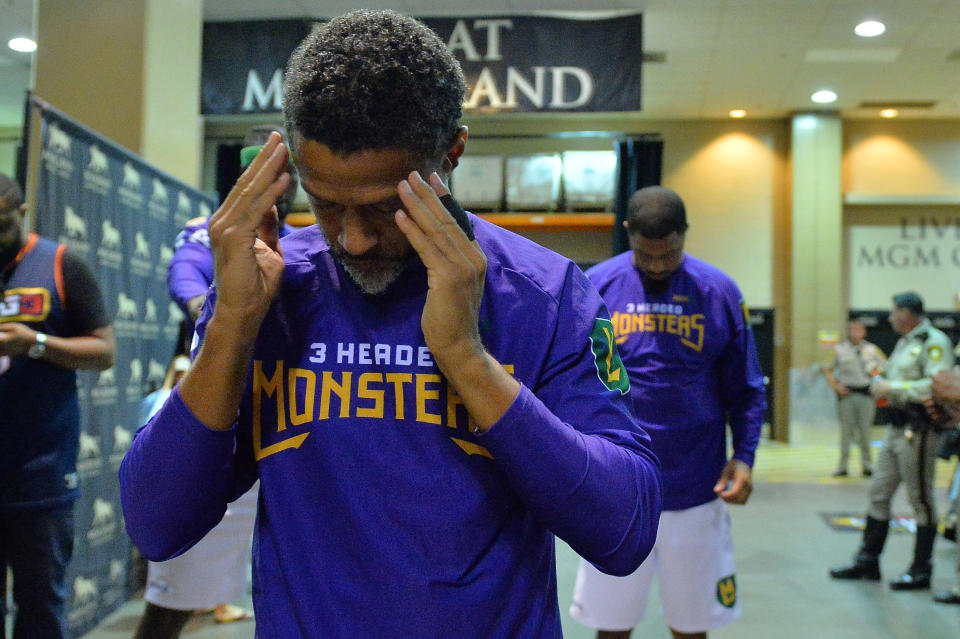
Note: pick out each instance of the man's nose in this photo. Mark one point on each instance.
(357, 235)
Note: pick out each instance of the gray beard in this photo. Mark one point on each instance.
(371, 283)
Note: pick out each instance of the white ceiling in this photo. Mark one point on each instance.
(720, 54)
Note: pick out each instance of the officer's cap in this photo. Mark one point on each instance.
(910, 301)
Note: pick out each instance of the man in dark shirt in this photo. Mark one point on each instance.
(52, 322)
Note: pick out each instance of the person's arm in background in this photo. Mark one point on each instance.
(938, 357)
(838, 388)
(744, 399)
(91, 346)
(190, 271)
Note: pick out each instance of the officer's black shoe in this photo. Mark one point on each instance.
(913, 579)
(950, 533)
(948, 597)
(862, 567)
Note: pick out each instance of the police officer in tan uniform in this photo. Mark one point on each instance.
(910, 447)
(855, 362)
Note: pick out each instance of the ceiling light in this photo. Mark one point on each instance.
(824, 96)
(24, 45)
(889, 113)
(738, 113)
(869, 29)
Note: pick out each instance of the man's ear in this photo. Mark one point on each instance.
(452, 158)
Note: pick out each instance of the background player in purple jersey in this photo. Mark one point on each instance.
(424, 411)
(682, 331)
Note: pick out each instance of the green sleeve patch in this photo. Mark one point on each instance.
(610, 367)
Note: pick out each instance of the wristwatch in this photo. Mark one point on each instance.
(38, 348)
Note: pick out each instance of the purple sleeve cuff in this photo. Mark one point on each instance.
(598, 492)
(176, 480)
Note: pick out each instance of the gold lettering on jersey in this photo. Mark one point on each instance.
(372, 395)
(272, 387)
(688, 327)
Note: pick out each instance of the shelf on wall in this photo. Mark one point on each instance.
(894, 199)
(532, 221)
(517, 221)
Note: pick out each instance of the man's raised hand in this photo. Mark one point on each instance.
(244, 236)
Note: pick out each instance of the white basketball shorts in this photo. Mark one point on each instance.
(693, 562)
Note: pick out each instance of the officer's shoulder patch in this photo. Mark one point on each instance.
(195, 221)
(610, 367)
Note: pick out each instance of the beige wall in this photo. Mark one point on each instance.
(905, 233)
(908, 157)
(137, 81)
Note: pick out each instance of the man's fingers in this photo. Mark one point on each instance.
(258, 187)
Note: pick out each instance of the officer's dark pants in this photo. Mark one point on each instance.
(36, 545)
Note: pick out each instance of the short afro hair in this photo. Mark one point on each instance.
(655, 212)
(371, 80)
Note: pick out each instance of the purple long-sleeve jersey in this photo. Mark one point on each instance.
(381, 513)
(693, 368)
(190, 272)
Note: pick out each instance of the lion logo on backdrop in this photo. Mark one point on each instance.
(141, 246)
(110, 236)
(103, 512)
(58, 141)
(131, 178)
(122, 438)
(89, 446)
(166, 254)
(126, 307)
(136, 371)
(84, 591)
(150, 312)
(98, 160)
(73, 225)
(204, 210)
(174, 314)
(159, 192)
(727, 591)
(156, 372)
(116, 570)
(183, 203)
(106, 378)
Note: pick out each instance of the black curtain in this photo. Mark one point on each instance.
(639, 164)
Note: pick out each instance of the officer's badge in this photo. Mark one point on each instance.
(610, 367)
(934, 353)
(727, 591)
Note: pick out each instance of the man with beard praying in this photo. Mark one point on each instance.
(426, 398)
(683, 333)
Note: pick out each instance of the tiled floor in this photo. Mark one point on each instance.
(784, 548)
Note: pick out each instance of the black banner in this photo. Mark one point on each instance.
(512, 63)
(121, 216)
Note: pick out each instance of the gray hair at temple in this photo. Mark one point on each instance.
(655, 212)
